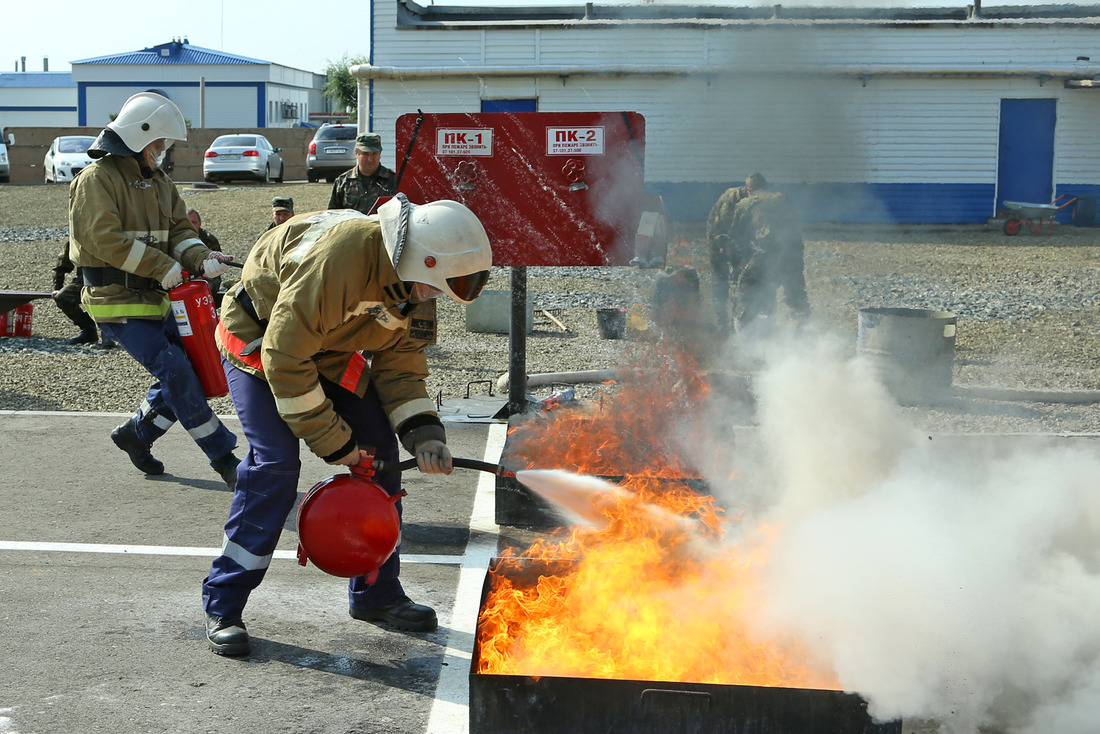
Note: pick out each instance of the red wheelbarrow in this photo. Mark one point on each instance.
(1033, 215)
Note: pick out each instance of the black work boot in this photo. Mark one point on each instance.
(105, 343)
(402, 614)
(126, 438)
(226, 466)
(227, 635)
(87, 336)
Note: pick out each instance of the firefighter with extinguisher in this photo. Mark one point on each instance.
(133, 241)
(324, 342)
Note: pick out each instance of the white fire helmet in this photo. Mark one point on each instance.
(146, 117)
(441, 243)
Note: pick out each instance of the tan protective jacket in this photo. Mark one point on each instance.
(327, 288)
(121, 219)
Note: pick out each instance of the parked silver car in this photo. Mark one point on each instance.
(331, 152)
(5, 164)
(242, 156)
(67, 156)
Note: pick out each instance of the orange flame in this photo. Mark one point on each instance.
(653, 594)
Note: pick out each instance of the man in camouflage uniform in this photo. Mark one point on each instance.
(360, 187)
(721, 262)
(211, 242)
(766, 237)
(282, 209)
(67, 298)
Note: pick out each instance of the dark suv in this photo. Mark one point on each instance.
(331, 152)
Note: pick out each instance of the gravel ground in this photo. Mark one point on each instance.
(1027, 308)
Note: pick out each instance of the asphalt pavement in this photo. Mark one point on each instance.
(100, 580)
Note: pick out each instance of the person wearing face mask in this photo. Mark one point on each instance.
(324, 341)
(132, 239)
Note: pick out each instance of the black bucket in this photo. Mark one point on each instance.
(914, 350)
(612, 322)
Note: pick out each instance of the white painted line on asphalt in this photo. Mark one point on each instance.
(451, 708)
(162, 550)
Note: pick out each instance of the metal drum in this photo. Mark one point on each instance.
(914, 350)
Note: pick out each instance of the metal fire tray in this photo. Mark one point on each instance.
(14, 299)
(502, 704)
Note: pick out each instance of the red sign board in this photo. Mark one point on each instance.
(551, 188)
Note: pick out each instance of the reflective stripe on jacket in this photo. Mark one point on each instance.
(325, 284)
(120, 219)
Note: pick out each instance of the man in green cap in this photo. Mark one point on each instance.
(360, 187)
(282, 209)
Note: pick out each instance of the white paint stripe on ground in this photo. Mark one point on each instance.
(447, 418)
(163, 550)
(450, 712)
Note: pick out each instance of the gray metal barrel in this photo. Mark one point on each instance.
(914, 350)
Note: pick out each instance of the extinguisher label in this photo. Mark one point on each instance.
(183, 324)
(464, 141)
(574, 141)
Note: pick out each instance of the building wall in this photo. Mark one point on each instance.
(37, 105)
(236, 95)
(871, 122)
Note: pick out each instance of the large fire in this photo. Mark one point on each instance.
(647, 588)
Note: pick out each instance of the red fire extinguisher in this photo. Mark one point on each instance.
(196, 319)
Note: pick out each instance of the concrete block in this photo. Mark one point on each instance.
(491, 313)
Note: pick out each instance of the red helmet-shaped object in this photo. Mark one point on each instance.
(347, 525)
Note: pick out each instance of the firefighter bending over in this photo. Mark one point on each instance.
(132, 240)
(766, 238)
(324, 342)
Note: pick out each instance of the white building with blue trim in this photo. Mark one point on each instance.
(37, 98)
(920, 115)
(211, 88)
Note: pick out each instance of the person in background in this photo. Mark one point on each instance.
(67, 298)
(766, 237)
(282, 209)
(324, 341)
(361, 187)
(212, 242)
(207, 239)
(721, 257)
(131, 236)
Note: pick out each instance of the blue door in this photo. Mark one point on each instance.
(509, 105)
(1025, 159)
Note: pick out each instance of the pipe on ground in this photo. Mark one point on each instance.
(553, 378)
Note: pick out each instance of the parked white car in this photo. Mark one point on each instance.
(5, 165)
(242, 155)
(67, 156)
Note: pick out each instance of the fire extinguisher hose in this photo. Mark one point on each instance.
(388, 466)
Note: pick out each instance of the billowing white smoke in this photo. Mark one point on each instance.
(951, 578)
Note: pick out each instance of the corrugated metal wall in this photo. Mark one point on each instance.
(866, 146)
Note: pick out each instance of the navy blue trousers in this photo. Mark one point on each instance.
(267, 491)
(177, 393)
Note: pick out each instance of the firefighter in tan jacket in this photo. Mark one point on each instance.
(132, 239)
(324, 342)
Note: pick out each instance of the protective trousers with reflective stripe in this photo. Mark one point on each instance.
(267, 489)
(177, 394)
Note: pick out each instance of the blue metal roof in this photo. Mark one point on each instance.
(36, 79)
(173, 52)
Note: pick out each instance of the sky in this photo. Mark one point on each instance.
(286, 32)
